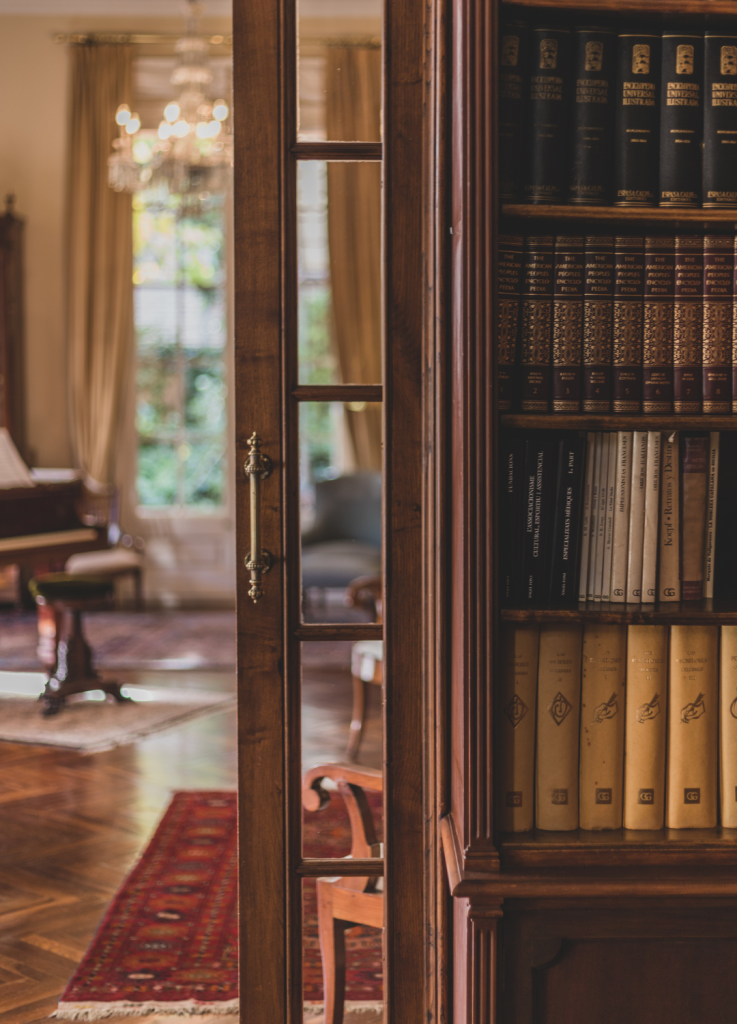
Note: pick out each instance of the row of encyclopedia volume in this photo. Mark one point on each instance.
(586, 716)
(624, 517)
(627, 324)
(589, 115)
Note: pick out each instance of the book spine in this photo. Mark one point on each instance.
(645, 727)
(720, 120)
(513, 57)
(681, 119)
(734, 330)
(637, 516)
(652, 512)
(725, 543)
(688, 323)
(549, 86)
(598, 316)
(536, 326)
(716, 350)
(564, 580)
(594, 528)
(694, 461)
(558, 714)
(583, 573)
(601, 516)
(567, 323)
(512, 497)
(637, 110)
(629, 291)
(657, 351)
(728, 726)
(606, 577)
(691, 800)
(592, 134)
(516, 736)
(601, 780)
(538, 472)
(618, 590)
(669, 569)
(712, 493)
(509, 289)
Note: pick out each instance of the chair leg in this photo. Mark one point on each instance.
(332, 950)
(357, 718)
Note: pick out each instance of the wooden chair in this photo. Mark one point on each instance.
(367, 656)
(345, 902)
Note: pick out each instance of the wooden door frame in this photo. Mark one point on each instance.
(268, 710)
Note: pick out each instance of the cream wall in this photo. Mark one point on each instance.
(34, 84)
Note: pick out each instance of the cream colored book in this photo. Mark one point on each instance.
(601, 516)
(691, 800)
(601, 779)
(669, 569)
(645, 722)
(637, 516)
(606, 579)
(712, 481)
(516, 728)
(558, 707)
(594, 527)
(618, 590)
(652, 514)
(583, 577)
(728, 726)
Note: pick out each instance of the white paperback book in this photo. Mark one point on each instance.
(618, 589)
(637, 516)
(652, 516)
(712, 481)
(601, 516)
(594, 515)
(606, 579)
(583, 577)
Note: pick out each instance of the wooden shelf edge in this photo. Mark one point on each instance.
(459, 874)
(674, 614)
(674, 7)
(640, 214)
(622, 848)
(614, 421)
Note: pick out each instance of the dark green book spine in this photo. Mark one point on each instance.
(546, 162)
(681, 118)
(509, 287)
(720, 120)
(592, 128)
(637, 113)
(512, 76)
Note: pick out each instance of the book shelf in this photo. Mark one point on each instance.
(639, 215)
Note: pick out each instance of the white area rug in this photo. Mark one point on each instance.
(92, 723)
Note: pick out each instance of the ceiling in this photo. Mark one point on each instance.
(164, 8)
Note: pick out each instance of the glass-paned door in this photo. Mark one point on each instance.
(328, 374)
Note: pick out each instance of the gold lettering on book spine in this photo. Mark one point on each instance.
(627, 334)
(717, 333)
(567, 323)
(687, 333)
(536, 324)
(507, 333)
(597, 332)
(657, 347)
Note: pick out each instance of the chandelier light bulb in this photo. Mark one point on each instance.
(123, 114)
(133, 124)
(220, 110)
(164, 130)
(202, 129)
(180, 129)
(171, 111)
(213, 129)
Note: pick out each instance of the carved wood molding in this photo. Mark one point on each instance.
(476, 924)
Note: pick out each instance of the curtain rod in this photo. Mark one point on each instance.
(123, 38)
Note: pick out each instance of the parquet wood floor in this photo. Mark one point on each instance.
(72, 825)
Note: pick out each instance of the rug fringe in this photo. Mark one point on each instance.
(350, 1006)
(99, 1011)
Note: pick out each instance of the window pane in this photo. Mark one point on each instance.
(204, 474)
(339, 79)
(339, 272)
(158, 474)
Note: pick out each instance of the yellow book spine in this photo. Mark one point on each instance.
(728, 726)
(602, 726)
(645, 722)
(691, 800)
(558, 705)
(516, 728)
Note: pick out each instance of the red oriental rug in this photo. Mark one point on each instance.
(169, 940)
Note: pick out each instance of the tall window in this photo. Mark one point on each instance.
(181, 331)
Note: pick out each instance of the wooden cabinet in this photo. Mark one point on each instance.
(604, 927)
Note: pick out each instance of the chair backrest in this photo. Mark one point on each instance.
(351, 781)
(347, 508)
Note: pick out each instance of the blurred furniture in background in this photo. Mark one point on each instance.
(367, 656)
(61, 598)
(345, 902)
(345, 539)
(12, 359)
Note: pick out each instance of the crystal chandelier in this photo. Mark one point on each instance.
(193, 153)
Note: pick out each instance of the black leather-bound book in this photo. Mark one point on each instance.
(546, 162)
(637, 115)
(509, 285)
(512, 512)
(592, 114)
(538, 482)
(513, 54)
(720, 120)
(681, 117)
(567, 518)
(725, 543)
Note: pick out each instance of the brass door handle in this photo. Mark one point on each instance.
(257, 561)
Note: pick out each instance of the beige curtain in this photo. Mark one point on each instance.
(100, 258)
(354, 233)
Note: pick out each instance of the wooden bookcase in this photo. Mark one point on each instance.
(598, 927)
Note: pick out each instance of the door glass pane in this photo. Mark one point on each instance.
(339, 70)
(339, 272)
(340, 511)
